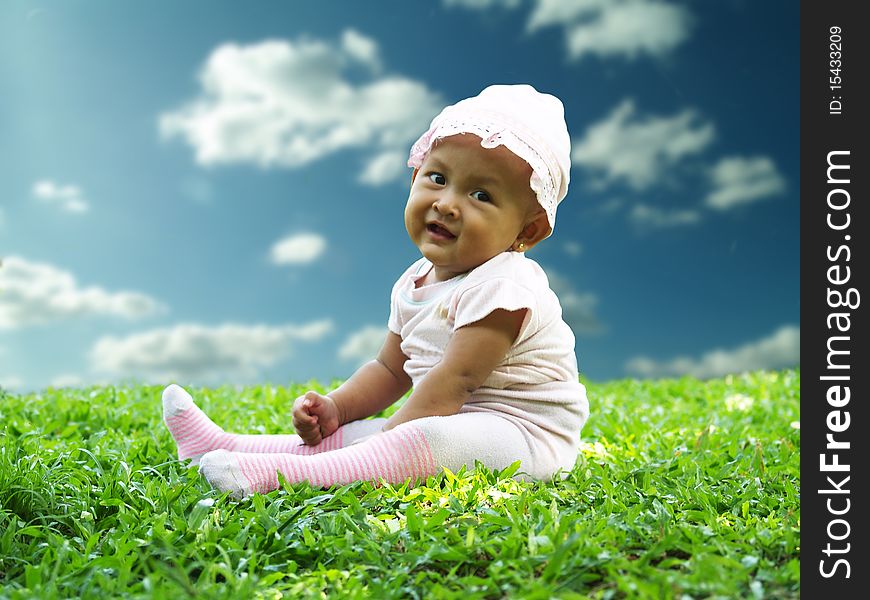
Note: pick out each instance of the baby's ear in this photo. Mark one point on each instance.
(535, 230)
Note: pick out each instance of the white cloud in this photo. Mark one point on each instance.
(34, 293)
(639, 151)
(648, 216)
(363, 345)
(627, 28)
(578, 309)
(385, 167)
(67, 381)
(739, 180)
(288, 103)
(68, 197)
(191, 352)
(11, 383)
(778, 350)
(573, 249)
(298, 249)
(362, 49)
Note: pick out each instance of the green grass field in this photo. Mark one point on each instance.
(684, 489)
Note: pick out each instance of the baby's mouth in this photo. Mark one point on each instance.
(439, 232)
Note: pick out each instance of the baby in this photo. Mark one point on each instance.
(474, 328)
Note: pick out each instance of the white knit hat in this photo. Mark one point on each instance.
(528, 123)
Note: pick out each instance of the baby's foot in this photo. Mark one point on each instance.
(224, 472)
(395, 456)
(194, 433)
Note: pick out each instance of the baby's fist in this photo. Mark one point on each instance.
(315, 417)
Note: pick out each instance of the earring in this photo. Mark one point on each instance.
(521, 247)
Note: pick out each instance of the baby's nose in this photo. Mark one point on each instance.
(447, 204)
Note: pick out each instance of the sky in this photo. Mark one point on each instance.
(212, 193)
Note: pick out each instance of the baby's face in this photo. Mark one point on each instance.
(468, 204)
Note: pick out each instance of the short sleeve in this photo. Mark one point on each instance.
(394, 323)
(475, 303)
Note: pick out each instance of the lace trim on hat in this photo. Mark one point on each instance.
(494, 133)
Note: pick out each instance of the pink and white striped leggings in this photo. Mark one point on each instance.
(360, 451)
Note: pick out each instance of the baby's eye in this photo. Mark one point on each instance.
(481, 195)
(437, 178)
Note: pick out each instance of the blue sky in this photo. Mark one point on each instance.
(212, 192)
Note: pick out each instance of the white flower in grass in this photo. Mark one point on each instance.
(795, 425)
(497, 495)
(595, 449)
(739, 402)
(393, 525)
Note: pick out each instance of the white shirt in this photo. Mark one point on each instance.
(537, 382)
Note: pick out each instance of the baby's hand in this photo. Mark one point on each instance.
(315, 417)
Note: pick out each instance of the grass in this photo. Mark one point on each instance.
(684, 489)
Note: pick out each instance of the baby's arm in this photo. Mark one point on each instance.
(471, 355)
(374, 386)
